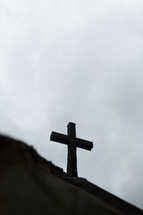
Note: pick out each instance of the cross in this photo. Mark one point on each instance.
(72, 142)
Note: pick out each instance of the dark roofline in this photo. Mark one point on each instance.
(105, 196)
(30, 158)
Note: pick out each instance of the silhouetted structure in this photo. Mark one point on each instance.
(29, 185)
(72, 142)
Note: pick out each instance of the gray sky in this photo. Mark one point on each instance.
(78, 61)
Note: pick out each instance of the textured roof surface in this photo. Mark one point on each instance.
(29, 184)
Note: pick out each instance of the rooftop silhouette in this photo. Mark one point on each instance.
(29, 184)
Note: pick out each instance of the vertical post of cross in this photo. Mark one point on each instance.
(72, 156)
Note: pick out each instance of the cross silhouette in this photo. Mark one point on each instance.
(72, 142)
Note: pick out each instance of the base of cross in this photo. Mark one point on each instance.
(72, 142)
(71, 172)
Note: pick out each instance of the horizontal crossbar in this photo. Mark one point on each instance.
(84, 144)
(65, 139)
(61, 138)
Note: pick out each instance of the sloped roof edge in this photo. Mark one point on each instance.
(16, 152)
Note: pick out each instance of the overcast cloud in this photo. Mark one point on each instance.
(78, 61)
